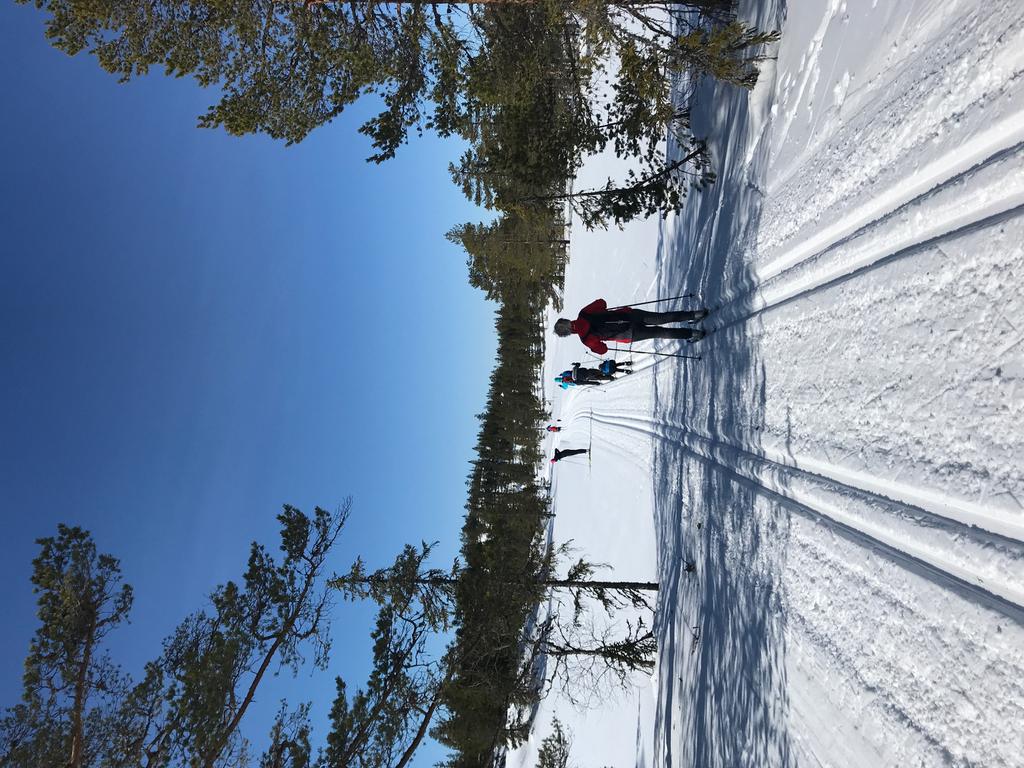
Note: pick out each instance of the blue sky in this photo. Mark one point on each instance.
(196, 329)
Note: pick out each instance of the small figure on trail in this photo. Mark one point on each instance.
(605, 371)
(583, 375)
(560, 454)
(597, 324)
(564, 380)
(580, 376)
(568, 379)
(553, 428)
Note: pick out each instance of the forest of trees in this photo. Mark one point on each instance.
(534, 87)
(79, 708)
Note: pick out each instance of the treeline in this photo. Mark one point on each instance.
(526, 141)
(80, 709)
(539, 109)
(501, 553)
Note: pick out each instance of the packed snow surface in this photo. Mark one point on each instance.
(845, 466)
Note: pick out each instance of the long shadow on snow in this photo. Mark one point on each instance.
(728, 687)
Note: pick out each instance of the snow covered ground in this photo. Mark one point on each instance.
(846, 464)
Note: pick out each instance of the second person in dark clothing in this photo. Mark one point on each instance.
(560, 454)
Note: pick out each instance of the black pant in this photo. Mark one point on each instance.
(568, 452)
(661, 318)
(635, 324)
(643, 332)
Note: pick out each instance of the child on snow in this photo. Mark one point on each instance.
(592, 376)
(573, 378)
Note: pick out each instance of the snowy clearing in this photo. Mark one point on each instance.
(846, 465)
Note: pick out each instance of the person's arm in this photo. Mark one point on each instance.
(596, 345)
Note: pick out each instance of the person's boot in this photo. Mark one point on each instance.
(699, 315)
(697, 335)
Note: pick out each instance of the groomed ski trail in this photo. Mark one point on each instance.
(845, 464)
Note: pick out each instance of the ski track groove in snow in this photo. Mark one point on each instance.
(903, 114)
(936, 708)
(977, 561)
(931, 676)
(920, 227)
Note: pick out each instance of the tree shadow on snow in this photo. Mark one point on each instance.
(722, 686)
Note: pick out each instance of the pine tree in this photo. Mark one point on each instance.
(69, 682)
(215, 662)
(554, 748)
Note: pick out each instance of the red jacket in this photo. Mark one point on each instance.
(581, 326)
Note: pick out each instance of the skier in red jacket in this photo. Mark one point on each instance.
(597, 324)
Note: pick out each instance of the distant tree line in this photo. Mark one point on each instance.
(501, 546)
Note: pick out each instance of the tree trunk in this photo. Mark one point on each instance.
(639, 186)
(425, 723)
(75, 759)
(449, 581)
(644, 586)
(211, 757)
(533, 242)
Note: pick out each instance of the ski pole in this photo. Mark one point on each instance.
(662, 354)
(655, 301)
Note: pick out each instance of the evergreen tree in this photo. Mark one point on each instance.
(554, 748)
(383, 724)
(282, 68)
(78, 710)
(515, 254)
(66, 712)
(525, 82)
(215, 662)
(289, 739)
